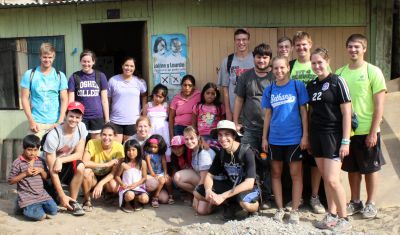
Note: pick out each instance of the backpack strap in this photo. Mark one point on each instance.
(229, 63)
(97, 78)
(31, 78)
(77, 80)
(291, 64)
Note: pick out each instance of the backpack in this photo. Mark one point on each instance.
(33, 73)
(43, 140)
(77, 79)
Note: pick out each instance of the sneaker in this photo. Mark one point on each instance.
(77, 210)
(294, 217)
(317, 206)
(343, 225)
(369, 211)
(288, 206)
(279, 214)
(354, 208)
(328, 222)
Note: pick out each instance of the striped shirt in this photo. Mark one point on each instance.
(30, 189)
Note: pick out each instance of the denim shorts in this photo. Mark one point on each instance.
(36, 211)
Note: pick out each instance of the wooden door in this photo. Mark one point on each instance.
(331, 38)
(207, 46)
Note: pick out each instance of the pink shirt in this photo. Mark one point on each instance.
(183, 108)
(207, 117)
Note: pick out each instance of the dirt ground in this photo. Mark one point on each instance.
(168, 219)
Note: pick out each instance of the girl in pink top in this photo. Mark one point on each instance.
(208, 112)
(180, 110)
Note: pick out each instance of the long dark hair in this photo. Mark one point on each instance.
(162, 146)
(133, 144)
(216, 101)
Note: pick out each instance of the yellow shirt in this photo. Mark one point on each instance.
(98, 155)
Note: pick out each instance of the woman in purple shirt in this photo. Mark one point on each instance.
(89, 87)
(125, 91)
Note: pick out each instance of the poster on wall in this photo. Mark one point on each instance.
(169, 60)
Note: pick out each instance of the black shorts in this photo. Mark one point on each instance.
(326, 145)
(94, 125)
(221, 186)
(68, 171)
(286, 153)
(362, 159)
(125, 129)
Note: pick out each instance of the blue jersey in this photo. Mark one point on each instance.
(285, 126)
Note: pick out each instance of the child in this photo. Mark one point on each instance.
(28, 173)
(208, 112)
(157, 112)
(181, 157)
(134, 173)
(155, 148)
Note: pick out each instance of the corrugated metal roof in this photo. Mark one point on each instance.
(28, 3)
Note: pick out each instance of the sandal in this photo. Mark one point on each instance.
(87, 206)
(171, 200)
(154, 202)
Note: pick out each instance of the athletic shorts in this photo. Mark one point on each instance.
(326, 145)
(94, 125)
(125, 129)
(221, 186)
(286, 153)
(363, 159)
(68, 171)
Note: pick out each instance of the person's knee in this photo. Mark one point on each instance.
(129, 196)
(88, 175)
(163, 197)
(112, 186)
(144, 198)
(80, 169)
(332, 182)
(177, 178)
(151, 184)
(249, 207)
(203, 209)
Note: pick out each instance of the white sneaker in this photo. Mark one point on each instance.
(294, 217)
(317, 206)
(279, 214)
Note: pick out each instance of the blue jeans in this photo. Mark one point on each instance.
(38, 210)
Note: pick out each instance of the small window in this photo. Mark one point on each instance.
(18, 55)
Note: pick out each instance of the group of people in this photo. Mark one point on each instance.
(282, 112)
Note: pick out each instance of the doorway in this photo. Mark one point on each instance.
(112, 42)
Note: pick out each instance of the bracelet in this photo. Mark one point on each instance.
(345, 141)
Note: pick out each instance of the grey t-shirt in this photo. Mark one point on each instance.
(250, 87)
(64, 146)
(239, 66)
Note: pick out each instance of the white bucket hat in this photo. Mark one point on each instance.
(224, 124)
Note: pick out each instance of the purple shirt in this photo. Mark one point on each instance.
(30, 189)
(125, 96)
(88, 93)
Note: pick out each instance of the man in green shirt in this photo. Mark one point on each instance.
(367, 89)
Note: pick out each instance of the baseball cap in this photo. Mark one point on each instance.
(224, 124)
(177, 140)
(76, 106)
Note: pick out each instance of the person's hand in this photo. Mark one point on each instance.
(218, 199)
(209, 195)
(124, 186)
(65, 200)
(264, 145)
(304, 143)
(34, 127)
(37, 170)
(57, 165)
(112, 163)
(238, 127)
(344, 151)
(29, 171)
(371, 140)
(97, 191)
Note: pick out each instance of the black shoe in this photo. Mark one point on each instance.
(229, 211)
